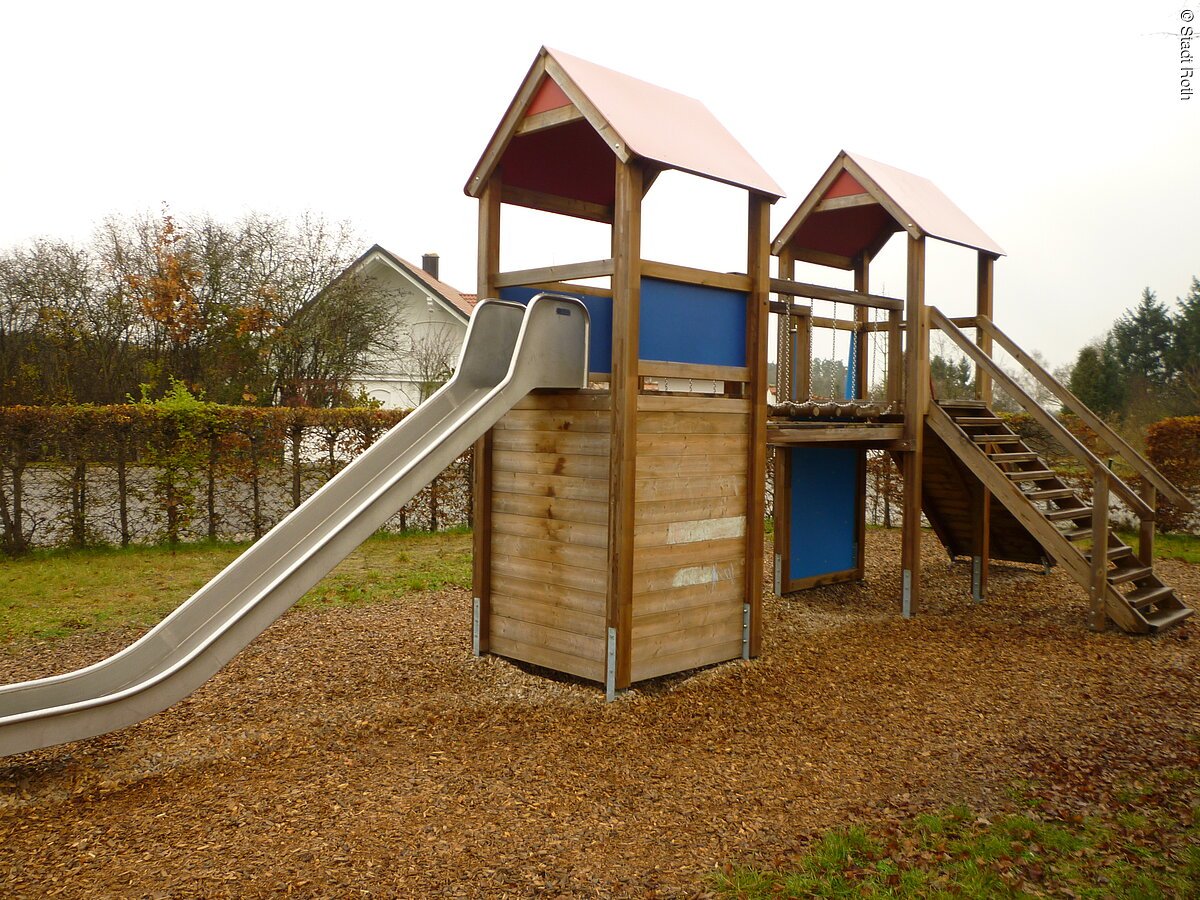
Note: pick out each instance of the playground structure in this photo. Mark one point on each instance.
(619, 521)
(619, 530)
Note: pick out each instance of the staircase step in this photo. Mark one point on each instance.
(1077, 534)
(970, 421)
(1143, 597)
(1134, 573)
(1051, 494)
(1018, 456)
(1070, 515)
(1033, 475)
(996, 438)
(1114, 553)
(963, 404)
(1160, 621)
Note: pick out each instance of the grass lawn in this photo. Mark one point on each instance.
(56, 593)
(1145, 842)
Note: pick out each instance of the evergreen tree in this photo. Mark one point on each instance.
(1096, 379)
(1141, 343)
(1185, 351)
(952, 378)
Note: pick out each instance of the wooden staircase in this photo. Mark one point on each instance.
(1056, 516)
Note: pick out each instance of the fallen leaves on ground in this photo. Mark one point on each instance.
(365, 752)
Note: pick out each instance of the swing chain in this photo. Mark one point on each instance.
(833, 351)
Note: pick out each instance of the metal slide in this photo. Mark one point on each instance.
(509, 350)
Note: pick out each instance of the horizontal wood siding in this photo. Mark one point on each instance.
(549, 532)
(689, 532)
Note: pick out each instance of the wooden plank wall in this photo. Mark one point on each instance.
(549, 544)
(689, 577)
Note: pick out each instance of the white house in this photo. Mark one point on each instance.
(431, 323)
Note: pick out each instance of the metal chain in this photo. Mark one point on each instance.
(833, 351)
(809, 317)
(852, 375)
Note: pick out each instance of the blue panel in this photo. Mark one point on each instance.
(599, 312)
(692, 323)
(823, 493)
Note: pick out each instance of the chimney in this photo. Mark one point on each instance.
(429, 262)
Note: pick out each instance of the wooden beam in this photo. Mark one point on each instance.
(758, 267)
(838, 295)
(821, 258)
(486, 166)
(848, 201)
(487, 263)
(893, 208)
(626, 284)
(550, 118)
(565, 287)
(733, 281)
(804, 210)
(783, 433)
(1038, 413)
(1009, 494)
(563, 206)
(597, 268)
(662, 369)
(862, 282)
(984, 298)
(1098, 588)
(1139, 463)
(615, 142)
(782, 519)
(916, 399)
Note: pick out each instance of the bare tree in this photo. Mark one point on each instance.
(432, 354)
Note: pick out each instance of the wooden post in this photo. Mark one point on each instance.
(626, 288)
(981, 549)
(982, 539)
(862, 284)
(758, 267)
(488, 264)
(984, 292)
(916, 398)
(1097, 618)
(895, 357)
(1146, 528)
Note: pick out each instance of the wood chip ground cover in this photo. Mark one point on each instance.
(365, 752)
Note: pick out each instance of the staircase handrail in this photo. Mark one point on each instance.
(1073, 445)
(1135, 460)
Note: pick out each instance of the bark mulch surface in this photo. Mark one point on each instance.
(365, 752)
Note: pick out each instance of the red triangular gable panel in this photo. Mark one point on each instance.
(549, 96)
(844, 185)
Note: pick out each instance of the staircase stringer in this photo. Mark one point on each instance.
(1015, 501)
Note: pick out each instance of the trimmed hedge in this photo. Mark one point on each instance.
(1173, 445)
(183, 469)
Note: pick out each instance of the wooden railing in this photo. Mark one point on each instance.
(1154, 478)
(1104, 481)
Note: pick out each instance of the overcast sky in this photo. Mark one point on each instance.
(1058, 127)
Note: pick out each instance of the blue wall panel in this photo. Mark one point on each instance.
(685, 323)
(824, 485)
(692, 323)
(599, 312)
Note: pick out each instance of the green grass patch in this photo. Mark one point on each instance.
(1146, 844)
(51, 594)
(1185, 547)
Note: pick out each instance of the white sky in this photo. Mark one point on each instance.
(1056, 126)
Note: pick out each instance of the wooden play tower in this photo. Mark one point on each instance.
(619, 530)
